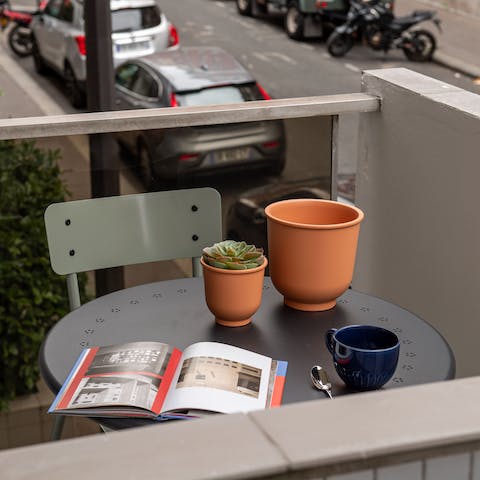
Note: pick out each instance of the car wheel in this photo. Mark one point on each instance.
(39, 63)
(124, 152)
(259, 8)
(75, 94)
(244, 7)
(276, 168)
(145, 165)
(294, 21)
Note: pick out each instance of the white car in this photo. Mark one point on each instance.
(138, 28)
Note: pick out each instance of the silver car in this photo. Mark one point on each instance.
(138, 28)
(196, 76)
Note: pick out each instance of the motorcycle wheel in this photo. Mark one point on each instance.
(20, 40)
(338, 44)
(294, 21)
(375, 37)
(421, 46)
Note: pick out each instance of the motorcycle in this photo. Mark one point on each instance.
(381, 30)
(20, 35)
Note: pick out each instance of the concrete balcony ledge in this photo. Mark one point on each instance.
(417, 85)
(367, 434)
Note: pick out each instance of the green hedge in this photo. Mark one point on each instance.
(32, 296)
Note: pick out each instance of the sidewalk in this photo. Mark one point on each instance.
(458, 44)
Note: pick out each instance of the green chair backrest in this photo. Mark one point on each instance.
(109, 232)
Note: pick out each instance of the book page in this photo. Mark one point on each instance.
(129, 375)
(221, 378)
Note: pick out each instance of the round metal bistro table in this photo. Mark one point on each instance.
(175, 312)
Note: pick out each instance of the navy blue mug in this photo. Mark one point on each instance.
(365, 356)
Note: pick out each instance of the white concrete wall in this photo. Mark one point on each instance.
(418, 183)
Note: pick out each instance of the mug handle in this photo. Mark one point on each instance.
(329, 339)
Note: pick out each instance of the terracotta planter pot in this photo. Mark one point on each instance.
(233, 296)
(312, 246)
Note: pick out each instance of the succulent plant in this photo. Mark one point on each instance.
(232, 255)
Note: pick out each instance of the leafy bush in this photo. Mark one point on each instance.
(32, 296)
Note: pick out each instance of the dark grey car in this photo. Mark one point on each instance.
(196, 76)
(246, 219)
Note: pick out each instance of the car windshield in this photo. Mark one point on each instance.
(220, 95)
(131, 19)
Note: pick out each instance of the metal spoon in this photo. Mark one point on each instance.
(320, 381)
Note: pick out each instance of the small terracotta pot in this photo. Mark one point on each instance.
(312, 246)
(233, 296)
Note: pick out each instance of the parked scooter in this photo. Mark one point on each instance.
(20, 35)
(381, 30)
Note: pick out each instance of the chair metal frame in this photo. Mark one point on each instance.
(91, 234)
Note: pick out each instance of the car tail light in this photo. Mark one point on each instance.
(321, 4)
(173, 100)
(173, 38)
(185, 157)
(273, 144)
(264, 94)
(82, 47)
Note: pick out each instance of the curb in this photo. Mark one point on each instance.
(453, 63)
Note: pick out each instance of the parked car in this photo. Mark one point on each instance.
(303, 18)
(138, 28)
(246, 219)
(196, 76)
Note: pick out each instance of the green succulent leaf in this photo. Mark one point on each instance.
(232, 255)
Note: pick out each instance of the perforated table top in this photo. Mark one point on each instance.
(175, 312)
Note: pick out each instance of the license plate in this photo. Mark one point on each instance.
(231, 156)
(129, 47)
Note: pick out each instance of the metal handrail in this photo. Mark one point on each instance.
(144, 119)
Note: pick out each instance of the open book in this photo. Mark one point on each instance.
(152, 379)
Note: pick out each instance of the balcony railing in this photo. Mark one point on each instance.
(104, 122)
